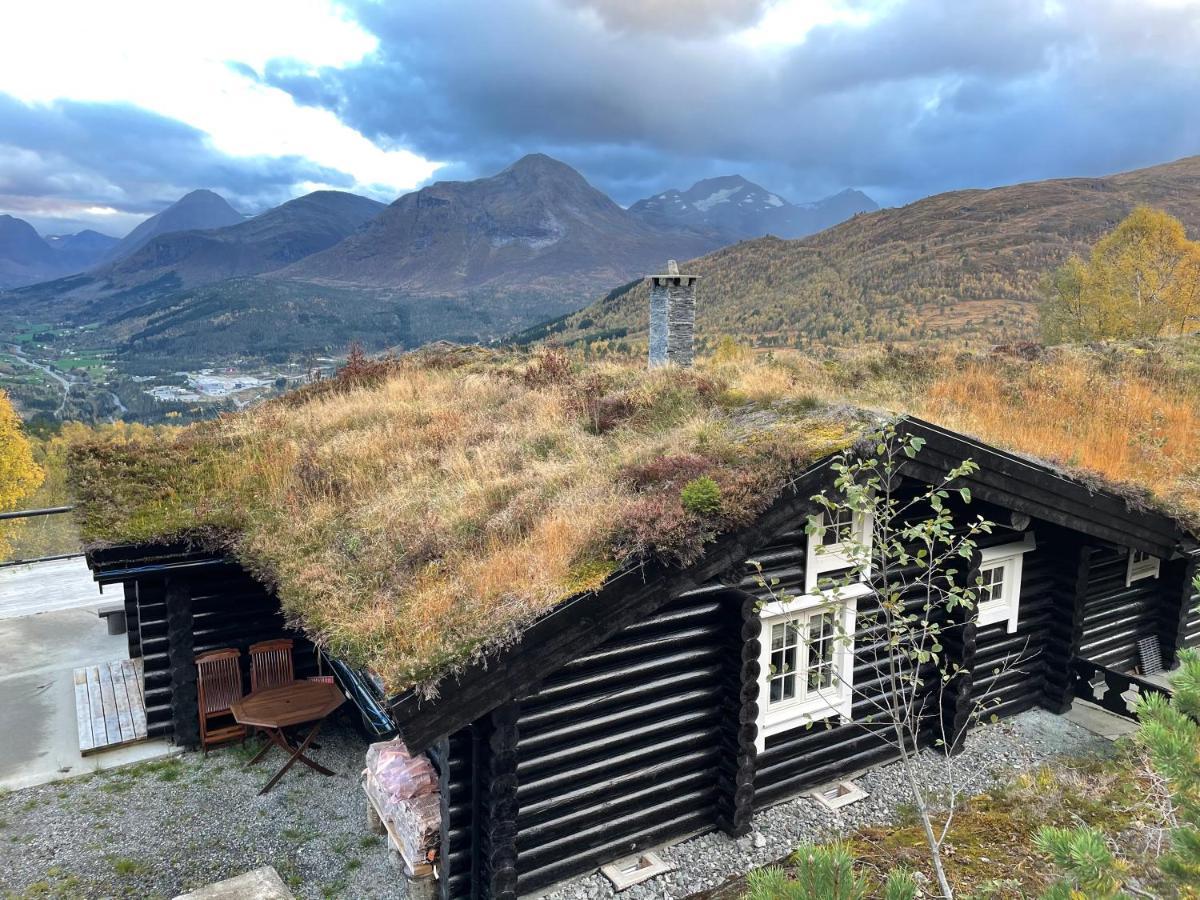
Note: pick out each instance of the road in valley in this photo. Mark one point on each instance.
(57, 376)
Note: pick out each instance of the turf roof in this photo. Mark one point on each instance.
(415, 512)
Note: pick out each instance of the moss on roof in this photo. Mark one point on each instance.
(415, 512)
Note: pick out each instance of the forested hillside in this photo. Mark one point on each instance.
(963, 265)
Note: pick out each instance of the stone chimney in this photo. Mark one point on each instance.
(672, 317)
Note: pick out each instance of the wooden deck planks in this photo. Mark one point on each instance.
(110, 707)
(121, 697)
(83, 712)
(137, 697)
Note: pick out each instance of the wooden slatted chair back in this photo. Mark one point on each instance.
(218, 685)
(271, 664)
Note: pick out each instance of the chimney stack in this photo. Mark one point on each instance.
(672, 317)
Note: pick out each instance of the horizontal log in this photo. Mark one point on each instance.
(577, 733)
(536, 714)
(570, 795)
(645, 734)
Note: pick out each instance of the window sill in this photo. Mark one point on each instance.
(808, 713)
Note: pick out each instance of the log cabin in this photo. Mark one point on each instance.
(671, 692)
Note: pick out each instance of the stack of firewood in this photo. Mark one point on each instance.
(404, 791)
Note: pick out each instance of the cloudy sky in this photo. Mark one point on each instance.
(109, 111)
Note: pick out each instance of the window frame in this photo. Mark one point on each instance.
(822, 558)
(1011, 559)
(1137, 569)
(806, 707)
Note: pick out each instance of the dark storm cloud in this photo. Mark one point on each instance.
(65, 156)
(928, 95)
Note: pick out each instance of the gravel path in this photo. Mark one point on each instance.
(160, 828)
(994, 754)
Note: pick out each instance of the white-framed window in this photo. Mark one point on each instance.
(1141, 565)
(828, 552)
(807, 659)
(999, 598)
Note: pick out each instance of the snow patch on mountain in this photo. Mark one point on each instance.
(714, 198)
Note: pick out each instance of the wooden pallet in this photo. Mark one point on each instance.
(110, 707)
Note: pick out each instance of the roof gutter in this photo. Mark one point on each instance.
(359, 689)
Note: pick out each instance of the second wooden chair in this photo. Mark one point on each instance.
(218, 684)
(271, 664)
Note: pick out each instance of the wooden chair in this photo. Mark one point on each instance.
(218, 684)
(271, 664)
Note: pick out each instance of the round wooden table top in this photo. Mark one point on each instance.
(291, 704)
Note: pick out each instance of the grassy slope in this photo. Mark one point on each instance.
(990, 852)
(962, 264)
(415, 512)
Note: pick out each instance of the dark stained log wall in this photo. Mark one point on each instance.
(1116, 616)
(739, 717)
(180, 643)
(133, 636)
(1011, 670)
(151, 599)
(461, 784)
(211, 609)
(1065, 627)
(1180, 616)
(1191, 628)
(621, 749)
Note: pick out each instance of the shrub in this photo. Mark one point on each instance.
(1090, 870)
(823, 873)
(549, 366)
(665, 470)
(701, 496)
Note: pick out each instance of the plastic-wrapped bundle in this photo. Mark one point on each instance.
(398, 775)
(404, 790)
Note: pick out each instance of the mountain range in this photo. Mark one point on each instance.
(465, 259)
(963, 266)
(194, 211)
(26, 257)
(537, 226)
(738, 209)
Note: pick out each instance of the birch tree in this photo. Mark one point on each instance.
(919, 557)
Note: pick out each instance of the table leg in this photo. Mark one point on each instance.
(274, 739)
(298, 755)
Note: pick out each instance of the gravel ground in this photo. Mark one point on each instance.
(994, 754)
(160, 828)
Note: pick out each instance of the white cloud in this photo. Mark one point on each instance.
(172, 58)
(788, 22)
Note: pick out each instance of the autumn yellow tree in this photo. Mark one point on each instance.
(20, 476)
(1141, 280)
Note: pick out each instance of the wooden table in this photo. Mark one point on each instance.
(278, 708)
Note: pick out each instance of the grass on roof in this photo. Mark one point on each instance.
(415, 512)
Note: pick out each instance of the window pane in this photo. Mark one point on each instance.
(837, 523)
(785, 642)
(993, 584)
(789, 681)
(820, 651)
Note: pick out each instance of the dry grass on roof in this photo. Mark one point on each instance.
(415, 512)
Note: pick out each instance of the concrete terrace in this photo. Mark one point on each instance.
(48, 627)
